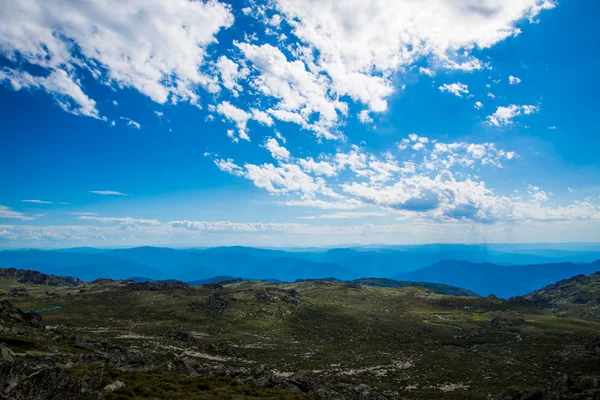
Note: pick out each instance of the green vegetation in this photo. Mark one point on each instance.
(578, 297)
(271, 340)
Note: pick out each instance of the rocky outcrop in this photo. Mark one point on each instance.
(14, 314)
(36, 381)
(38, 278)
(564, 388)
(211, 306)
(154, 286)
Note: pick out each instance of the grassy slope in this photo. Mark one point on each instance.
(409, 340)
(577, 297)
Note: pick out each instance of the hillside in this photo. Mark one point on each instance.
(577, 297)
(436, 287)
(310, 339)
(38, 278)
(500, 280)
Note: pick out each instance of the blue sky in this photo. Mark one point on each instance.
(294, 122)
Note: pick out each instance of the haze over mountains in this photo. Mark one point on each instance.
(504, 270)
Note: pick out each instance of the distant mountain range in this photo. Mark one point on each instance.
(504, 270)
(500, 280)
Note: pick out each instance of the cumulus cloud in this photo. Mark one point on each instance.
(505, 115)
(318, 167)
(154, 47)
(298, 90)
(361, 45)
(241, 118)
(513, 80)
(64, 87)
(478, 105)
(458, 89)
(230, 167)
(237, 115)
(364, 117)
(277, 151)
(230, 73)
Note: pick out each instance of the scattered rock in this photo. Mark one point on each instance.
(211, 306)
(17, 292)
(292, 296)
(352, 285)
(262, 296)
(29, 381)
(112, 387)
(564, 388)
(5, 354)
(521, 301)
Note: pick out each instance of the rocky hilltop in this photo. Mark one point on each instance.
(38, 278)
(577, 297)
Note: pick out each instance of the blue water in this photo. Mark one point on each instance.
(44, 309)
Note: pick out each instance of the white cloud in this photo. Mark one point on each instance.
(346, 215)
(478, 105)
(230, 73)
(154, 47)
(230, 167)
(513, 80)
(123, 221)
(82, 213)
(345, 204)
(107, 193)
(262, 117)
(286, 178)
(537, 194)
(505, 115)
(458, 89)
(132, 123)
(241, 117)
(318, 168)
(7, 212)
(64, 87)
(364, 117)
(277, 151)
(361, 45)
(159, 113)
(297, 89)
(426, 71)
(237, 115)
(37, 201)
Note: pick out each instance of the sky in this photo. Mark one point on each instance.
(298, 122)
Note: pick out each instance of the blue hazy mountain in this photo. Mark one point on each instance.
(159, 263)
(501, 280)
(83, 265)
